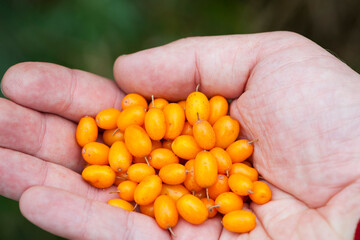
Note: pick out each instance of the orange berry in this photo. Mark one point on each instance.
(262, 193)
(173, 174)
(182, 103)
(240, 184)
(159, 103)
(148, 190)
(166, 143)
(119, 157)
(154, 145)
(205, 169)
(137, 141)
(121, 203)
(99, 176)
(190, 182)
(240, 221)
(161, 157)
(223, 160)
(112, 135)
(148, 210)
(174, 119)
(245, 170)
(240, 150)
(192, 209)
(197, 107)
(134, 115)
(95, 153)
(200, 194)
(228, 202)
(221, 185)
(138, 171)
(166, 214)
(107, 118)
(226, 131)
(120, 177)
(126, 190)
(204, 134)
(174, 191)
(218, 108)
(133, 99)
(155, 124)
(86, 131)
(209, 203)
(188, 129)
(185, 147)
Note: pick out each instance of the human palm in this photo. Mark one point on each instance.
(299, 101)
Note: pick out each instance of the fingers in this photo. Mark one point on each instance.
(45, 136)
(55, 89)
(221, 64)
(210, 229)
(74, 217)
(21, 171)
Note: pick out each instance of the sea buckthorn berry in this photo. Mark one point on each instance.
(245, 170)
(133, 99)
(204, 134)
(95, 153)
(126, 190)
(240, 221)
(107, 118)
(161, 157)
(166, 143)
(120, 177)
(185, 147)
(205, 169)
(221, 185)
(173, 174)
(121, 203)
(262, 193)
(99, 176)
(218, 108)
(174, 119)
(200, 194)
(197, 107)
(228, 202)
(130, 116)
(187, 130)
(209, 203)
(223, 160)
(190, 182)
(154, 145)
(86, 131)
(155, 124)
(192, 209)
(148, 210)
(148, 190)
(240, 184)
(138, 171)
(112, 135)
(137, 141)
(182, 103)
(159, 103)
(166, 214)
(226, 131)
(240, 150)
(119, 157)
(174, 191)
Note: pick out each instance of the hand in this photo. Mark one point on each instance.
(296, 98)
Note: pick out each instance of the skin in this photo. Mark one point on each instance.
(301, 102)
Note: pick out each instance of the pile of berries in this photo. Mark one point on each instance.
(173, 159)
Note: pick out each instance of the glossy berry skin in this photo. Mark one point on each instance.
(240, 221)
(174, 120)
(99, 176)
(148, 190)
(126, 190)
(86, 131)
(240, 150)
(173, 174)
(262, 193)
(96, 153)
(134, 115)
(174, 191)
(107, 118)
(148, 210)
(226, 131)
(161, 157)
(185, 146)
(205, 169)
(190, 182)
(165, 211)
(138, 171)
(155, 124)
(228, 202)
(112, 135)
(121, 203)
(240, 184)
(120, 158)
(221, 185)
(204, 134)
(223, 160)
(192, 209)
(197, 107)
(245, 170)
(137, 141)
(159, 103)
(209, 203)
(133, 99)
(218, 108)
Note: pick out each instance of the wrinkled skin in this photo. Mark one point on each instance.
(302, 103)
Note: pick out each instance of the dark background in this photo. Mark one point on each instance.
(90, 34)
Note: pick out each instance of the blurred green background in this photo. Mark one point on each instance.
(90, 34)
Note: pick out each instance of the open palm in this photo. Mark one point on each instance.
(297, 99)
